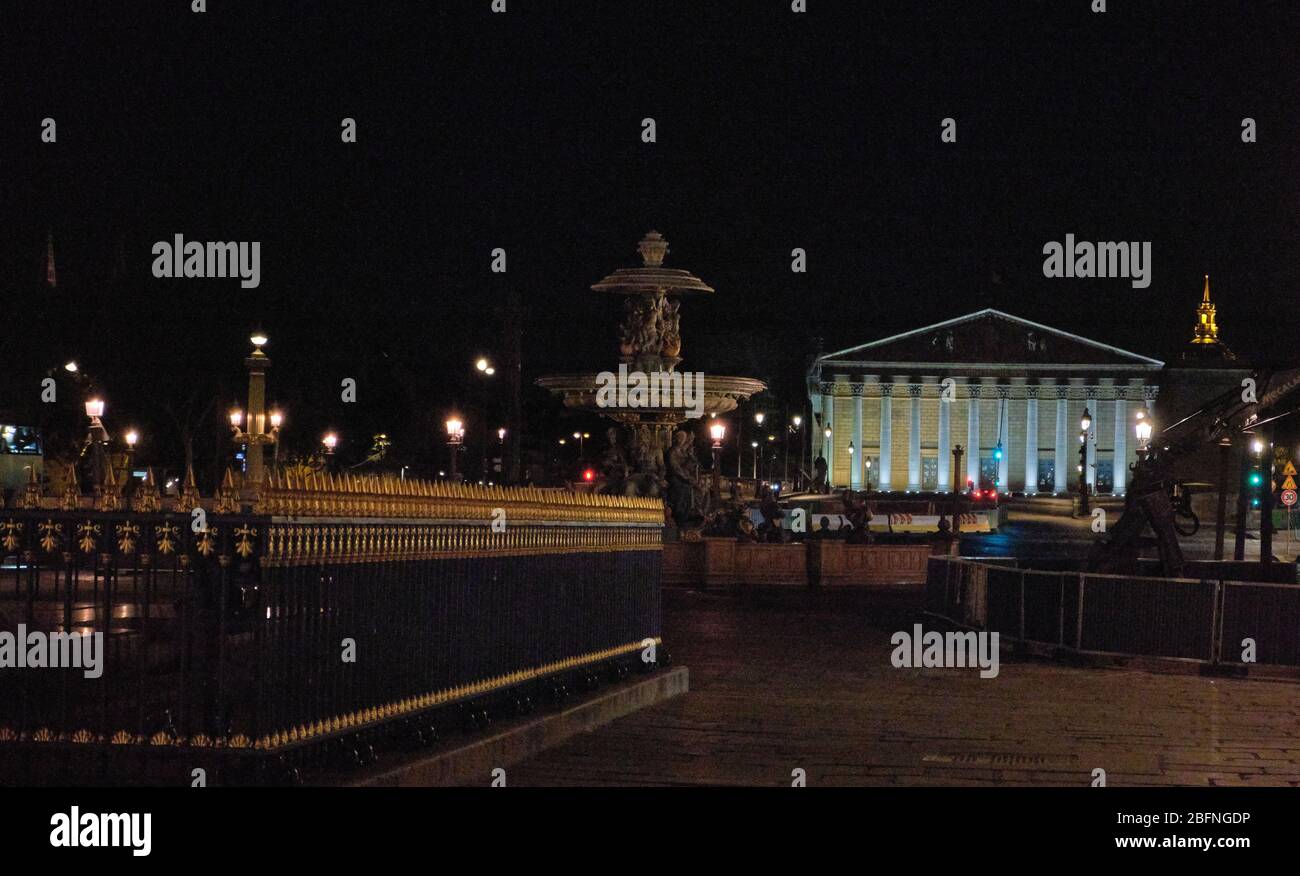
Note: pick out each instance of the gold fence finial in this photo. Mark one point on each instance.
(146, 498)
(189, 498)
(31, 497)
(227, 502)
(110, 497)
(71, 490)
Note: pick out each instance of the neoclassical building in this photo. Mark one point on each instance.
(1010, 391)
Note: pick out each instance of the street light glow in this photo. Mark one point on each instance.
(330, 441)
(131, 438)
(94, 407)
(259, 339)
(70, 366)
(717, 431)
(482, 364)
(797, 421)
(758, 418)
(236, 417)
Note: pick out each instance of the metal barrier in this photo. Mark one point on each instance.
(1204, 620)
(353, 612)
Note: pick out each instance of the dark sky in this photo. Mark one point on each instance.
(522, 130)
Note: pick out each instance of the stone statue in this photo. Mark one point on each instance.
(613, 465)
(684, 494)
(819, 484)
(858, 516)
(671, 346)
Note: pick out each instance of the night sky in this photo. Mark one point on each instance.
(478, 130)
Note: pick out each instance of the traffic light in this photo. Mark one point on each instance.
(1255, 484)
(997, 453)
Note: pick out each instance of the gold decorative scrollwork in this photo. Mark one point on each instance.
(166, 537)
(11, 528)
(127, 533)
(88, 534)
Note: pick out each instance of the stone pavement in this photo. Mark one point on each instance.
(785, 681)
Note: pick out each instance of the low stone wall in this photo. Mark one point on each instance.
(724, 562)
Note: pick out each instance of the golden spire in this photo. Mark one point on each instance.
(1207, 331)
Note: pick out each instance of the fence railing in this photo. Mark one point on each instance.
(356, 611)
(1207, 620)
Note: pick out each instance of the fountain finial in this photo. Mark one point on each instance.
(653, 248)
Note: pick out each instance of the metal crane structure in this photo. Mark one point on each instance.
(1156, 497)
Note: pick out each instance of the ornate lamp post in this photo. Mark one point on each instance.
(254, 433)
(328, 443)
(717, 431)
(455, 437)
(868, 474)
(96, 437)
(754, 473)
(852, 450)
(1085, 423)
(1143, 430)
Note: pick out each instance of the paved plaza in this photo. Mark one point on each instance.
(786, 681)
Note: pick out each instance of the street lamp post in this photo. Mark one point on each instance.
(486, 369)
(717, 431)
(828, 454)
(868, 474)
(852, 451)
(455, 437)
(328, 443)
(254, 433)
(96, 437)
(1143, 430)
(754, 473)
(1085, 423)
(797, 422)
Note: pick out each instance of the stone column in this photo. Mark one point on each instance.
(1121, 441)
(1004, 436)
(1092, 397)
(945, 442)
(855, 458)
(973, 436)
(886, 436)
(828, 444)
(1031, 440)
(914, 440)
(1060, 481)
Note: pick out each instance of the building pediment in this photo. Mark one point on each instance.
(988, 337)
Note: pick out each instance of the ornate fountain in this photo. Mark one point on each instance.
(644, 457)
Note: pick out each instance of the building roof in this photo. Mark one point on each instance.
(987, 337)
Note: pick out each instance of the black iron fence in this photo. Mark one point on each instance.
(1209, 620)
(344, 617)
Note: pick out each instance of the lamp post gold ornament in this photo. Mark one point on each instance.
(251, 428)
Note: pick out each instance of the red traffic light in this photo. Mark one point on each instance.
(589, 475)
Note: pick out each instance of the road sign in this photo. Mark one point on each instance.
(1288, 497)
(1289, 483)
(1289, 471)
